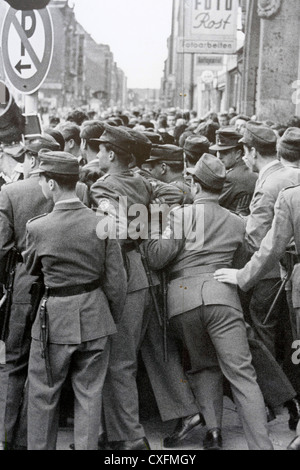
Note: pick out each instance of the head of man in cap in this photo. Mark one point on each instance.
(228, 147)
(260, 146)
(59, 174)
(32, 149)
(91, 130)
(166, 163)
(289, 147)
(116, 149)
(142, 148)
(194, 147)
(71, 134)
(208, 177)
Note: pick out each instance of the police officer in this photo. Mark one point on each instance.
(81, 304)
(90, 172)
(273, 248)
(167, 165)
(19, 202)
(240, 181)
(208, 319)
(260, 146)
(194, 147)
(139, 328)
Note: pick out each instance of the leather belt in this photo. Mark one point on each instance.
(191, 272)
(70, 291)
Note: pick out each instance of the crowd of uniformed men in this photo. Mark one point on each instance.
(213, 311)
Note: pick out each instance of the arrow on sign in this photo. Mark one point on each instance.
(19, 67)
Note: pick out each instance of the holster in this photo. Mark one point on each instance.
(44, 337)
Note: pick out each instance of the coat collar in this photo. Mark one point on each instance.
(69, 205)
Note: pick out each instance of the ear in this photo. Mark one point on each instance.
(254, 153)
(112, 156)
(71, 143)
(33, 162)
(163, 168)
(51, 184)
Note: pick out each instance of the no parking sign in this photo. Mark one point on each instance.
(27, 48)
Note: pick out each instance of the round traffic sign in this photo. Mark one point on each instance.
(207, 76)
(27, 48)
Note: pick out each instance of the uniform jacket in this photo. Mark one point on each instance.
(285, 227)
(170, 193)
(238, 189)
(137, 190)
(211, 239)
(64, 246)
(259, 222)
(20, 202)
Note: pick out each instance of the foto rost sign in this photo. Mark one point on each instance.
(27, 48)
(210, 27)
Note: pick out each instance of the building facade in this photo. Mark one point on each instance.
(262, 78)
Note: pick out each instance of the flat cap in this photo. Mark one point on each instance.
(44, 141)
(117, 137)
(143, 146)
(259, 136)
(58, 163)
(210, 172)
(166, 153)
(153, 136)
(226, 139)
(196, 145)
(290, 140)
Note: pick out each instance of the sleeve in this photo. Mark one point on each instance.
(272, 248)
(115, 280)
(102, 191)
(162, 251)
(6, 224)
(30, 255)
(260, 219)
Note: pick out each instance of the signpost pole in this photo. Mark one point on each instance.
(31, 103)
(192, 81)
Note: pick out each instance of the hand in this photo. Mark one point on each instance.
(227, 276)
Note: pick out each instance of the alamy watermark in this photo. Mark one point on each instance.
(296, 355)
(2, 94)
(159, 221)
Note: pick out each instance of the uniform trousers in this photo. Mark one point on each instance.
(139, 330)
(13, 374)
(216, 339)
(261, 301)
(87, 364)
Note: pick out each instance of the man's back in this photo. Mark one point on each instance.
(238, 189)
(266, 193)
(20, 202)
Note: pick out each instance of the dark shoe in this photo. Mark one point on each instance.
(183, 429)
(294, 410)
(295, 444)
(102, 444)
(213, 440)
(139, 444)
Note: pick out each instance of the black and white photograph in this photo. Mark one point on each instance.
(149, 202)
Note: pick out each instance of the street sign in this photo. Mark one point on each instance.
(210, 27)
(27, 48)
(207, 76)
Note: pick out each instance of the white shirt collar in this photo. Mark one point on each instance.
(68, 201)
